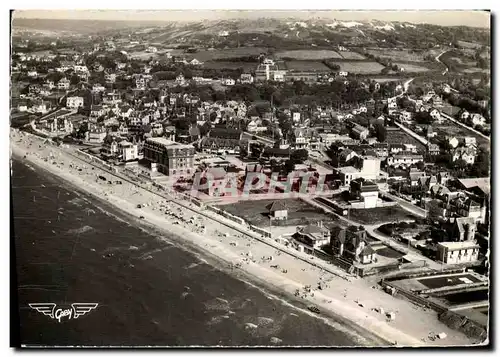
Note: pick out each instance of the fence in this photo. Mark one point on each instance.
(411, 275)
(261, 231)
(413, 297)
(226, 215)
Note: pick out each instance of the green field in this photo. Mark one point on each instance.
(308, 54)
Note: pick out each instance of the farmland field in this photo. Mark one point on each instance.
(256, 213)
(306, 66)
(397, 55)
(352, 55)
(412, 67)
(359, 67)
(308, 54)
(247, 66)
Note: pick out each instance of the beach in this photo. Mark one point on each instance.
(354, 302)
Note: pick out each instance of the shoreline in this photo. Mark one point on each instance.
(221, 264)
(363, 321)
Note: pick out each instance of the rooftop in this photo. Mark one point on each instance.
(348, 170)
(459, 245)
(168, 143)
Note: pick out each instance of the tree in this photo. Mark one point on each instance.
(299, 156)
(380, 132)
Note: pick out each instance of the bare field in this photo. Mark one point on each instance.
(308, 54)
(352, 55)
(306, 66)
(359, 67)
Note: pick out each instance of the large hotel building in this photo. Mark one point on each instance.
(171, 158)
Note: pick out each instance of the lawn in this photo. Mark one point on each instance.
(379, 215)
(352, 55)
(299, 212)
(308, 54)
(306, 66)
(359, 67)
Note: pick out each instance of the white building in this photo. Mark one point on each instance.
(228, 82)
(457, 252)
(74, 102)
(128, 150)
(63, 84)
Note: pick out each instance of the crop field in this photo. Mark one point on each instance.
(247, 66)
(398, 55)
(359, 67)
(306, 66)
(412, 67)
(352, 55)
(308, 54)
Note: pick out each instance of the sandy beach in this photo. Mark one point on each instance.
(357, 301)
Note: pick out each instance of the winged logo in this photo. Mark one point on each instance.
(82, 308)
(46, 308)
(76, 310)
